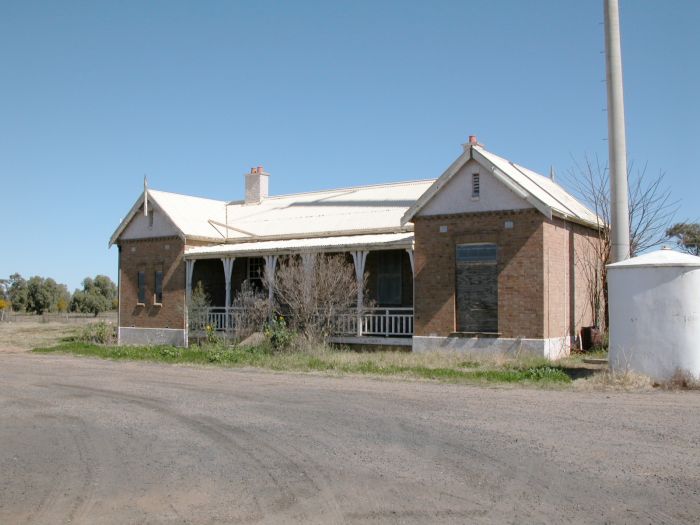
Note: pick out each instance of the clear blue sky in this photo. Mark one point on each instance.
(323, 94)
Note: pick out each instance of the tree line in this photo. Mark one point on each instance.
(44, 295)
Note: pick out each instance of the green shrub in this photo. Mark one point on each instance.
(101, 333)
(278, 334)
(212, 338)
(546, 373)
(170, 351)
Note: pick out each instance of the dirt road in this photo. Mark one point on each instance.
(92, 441)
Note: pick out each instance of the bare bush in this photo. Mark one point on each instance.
(315, 290)
(251, 309)
(651, 210)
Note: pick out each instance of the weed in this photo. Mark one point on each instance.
(277, 333)
(100, 332)
(320, 358)
(680, 380)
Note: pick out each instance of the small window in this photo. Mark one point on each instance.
(475, 186)
(142, 287)
(150, 219)
(158, 296)
(476, 253)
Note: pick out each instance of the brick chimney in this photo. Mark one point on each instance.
(257, 183)
(472, 142)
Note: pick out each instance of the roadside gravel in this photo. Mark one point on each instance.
(98, 441)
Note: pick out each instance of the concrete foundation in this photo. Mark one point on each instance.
(374, 341)
(554, 348)
(151, 336)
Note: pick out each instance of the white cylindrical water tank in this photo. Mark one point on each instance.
(654, 302)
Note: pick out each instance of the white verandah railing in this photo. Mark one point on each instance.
(386, 322)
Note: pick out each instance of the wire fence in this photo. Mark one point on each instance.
(67, 318)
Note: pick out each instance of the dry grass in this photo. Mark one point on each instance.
(26, 335)
(432, 360)
(21, 337)
(681, 380)
(608, 380)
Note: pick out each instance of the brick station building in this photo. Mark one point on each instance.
(488, 257)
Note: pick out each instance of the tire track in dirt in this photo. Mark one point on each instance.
(235, 440)
(67, 498)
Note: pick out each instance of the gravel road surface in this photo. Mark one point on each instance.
(94, 441)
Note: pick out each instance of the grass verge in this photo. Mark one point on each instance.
(447, 367)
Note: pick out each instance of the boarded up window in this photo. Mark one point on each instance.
(158, 298)
(142, 287)
(389, 278)
(477, 288)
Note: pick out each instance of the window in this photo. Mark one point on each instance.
(158, 296)
(150, 219)
(256, 268)
(142, 287)
(475, 186)
(389, 278)
(476, 253)
(476, 272)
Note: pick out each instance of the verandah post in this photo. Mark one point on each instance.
(228, 269)
(270, 268)
(189, 270)
(359, 258)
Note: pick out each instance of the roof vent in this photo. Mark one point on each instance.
(257, 184)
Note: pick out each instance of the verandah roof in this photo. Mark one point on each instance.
(382, 241)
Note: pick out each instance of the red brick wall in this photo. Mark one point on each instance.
(570, 257)
(520, 266)
(543, 265)
(149, 255)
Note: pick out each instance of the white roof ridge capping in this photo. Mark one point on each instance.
(539, 191)
(345, 189)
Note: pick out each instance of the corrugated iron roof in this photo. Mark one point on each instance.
(362, 209)
(359, 209)
(542, 188)
(193, 216)
(540, 191)
(340, 243)
(381, 208)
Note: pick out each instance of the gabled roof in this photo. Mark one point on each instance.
(191, 216)
(541, 192)
(346, 211)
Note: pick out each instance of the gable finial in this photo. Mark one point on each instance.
(551, 172)
(145, 196)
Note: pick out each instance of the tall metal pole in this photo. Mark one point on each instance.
(617, 146)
